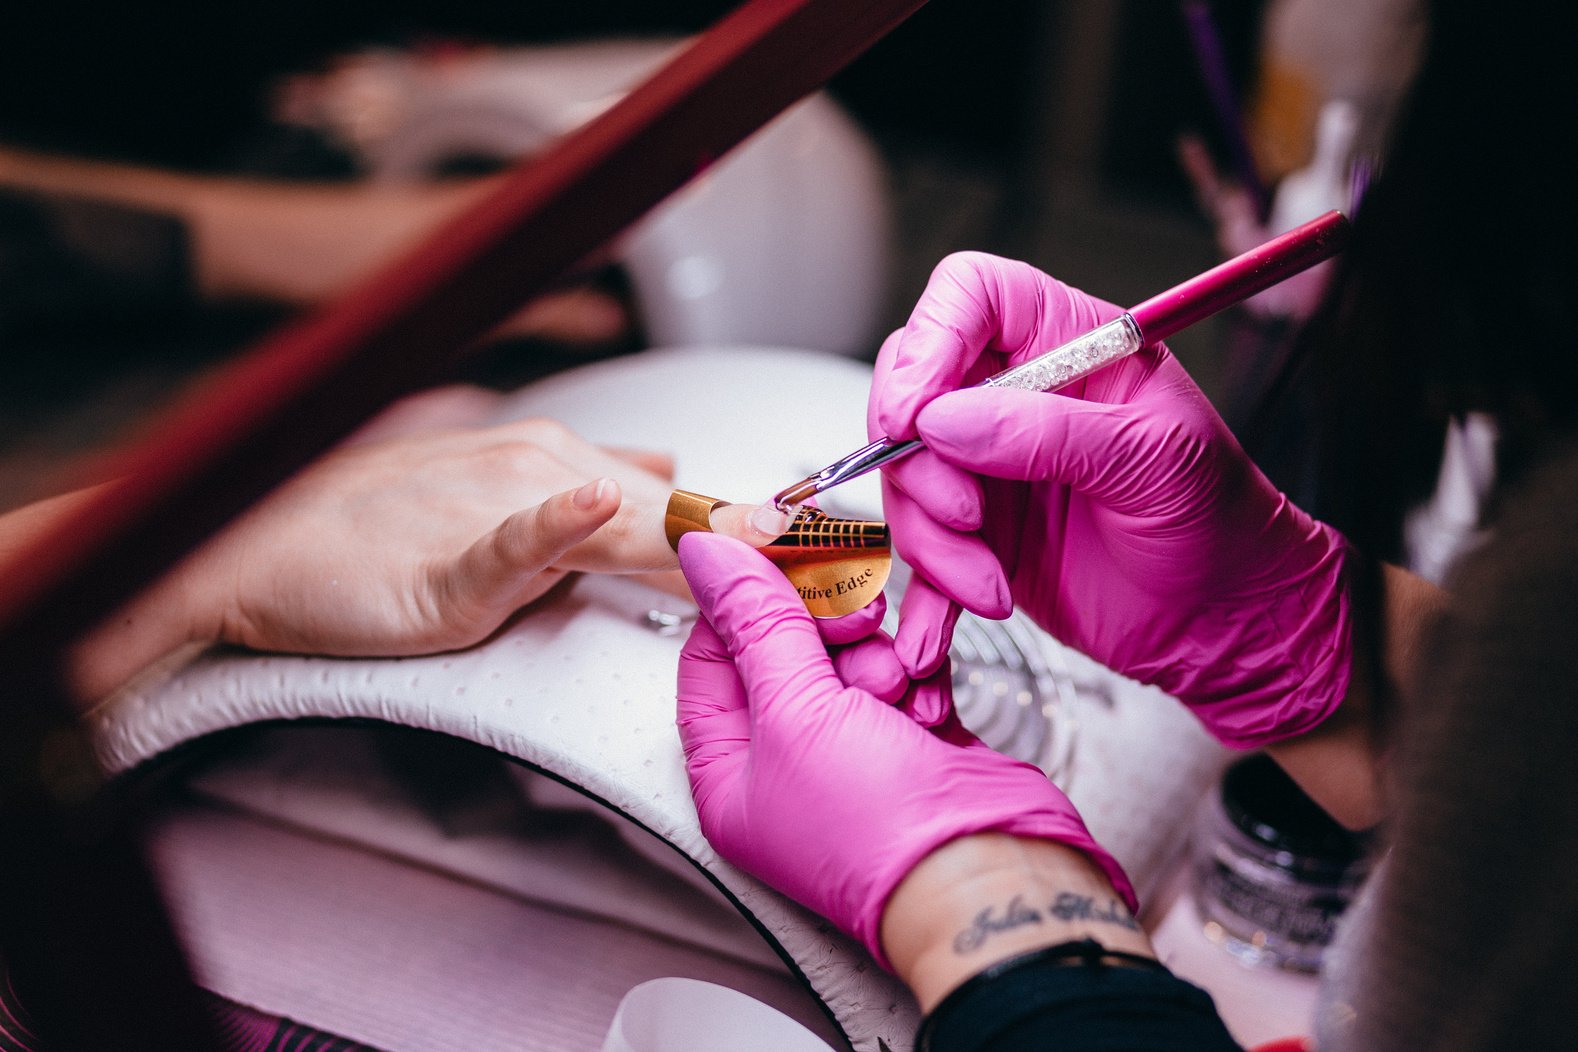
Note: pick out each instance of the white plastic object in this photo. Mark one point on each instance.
(1439, 531)
(1317, 188)
(782, 242)
(674, 1014)
(1323, 184)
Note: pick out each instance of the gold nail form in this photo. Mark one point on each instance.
(688, 512)
(814, 528)
(836, 565)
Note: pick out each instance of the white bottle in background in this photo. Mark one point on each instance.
(1301, 195)
(1323, 184)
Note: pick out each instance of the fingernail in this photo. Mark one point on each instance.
(769, 520)
(588, 495)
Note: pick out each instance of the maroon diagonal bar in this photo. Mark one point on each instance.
(299, 391)
(78, 912)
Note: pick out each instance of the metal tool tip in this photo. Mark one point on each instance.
(799, 493)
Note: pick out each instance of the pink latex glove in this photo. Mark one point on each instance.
(816, 787)
(1120, 513)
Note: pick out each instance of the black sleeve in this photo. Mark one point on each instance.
(70, 264)
(1063, 1006)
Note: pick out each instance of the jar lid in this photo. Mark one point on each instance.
(1263, 802)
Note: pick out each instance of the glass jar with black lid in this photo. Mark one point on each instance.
(1272, 872)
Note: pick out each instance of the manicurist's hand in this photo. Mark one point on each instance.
(819, 788)
(1120, 513)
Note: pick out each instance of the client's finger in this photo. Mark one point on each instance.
(631, 542)
(755, 524)
(516, 562)
(654, 461)
(634, 540)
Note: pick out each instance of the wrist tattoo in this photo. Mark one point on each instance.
(1068, 906)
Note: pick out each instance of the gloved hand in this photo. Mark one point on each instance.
(1120, 513)
(816, 787)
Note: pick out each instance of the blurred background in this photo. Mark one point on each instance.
(1046, 130)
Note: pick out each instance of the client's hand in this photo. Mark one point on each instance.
(1120, 512)
(818, 788)
(426, 543)
(414, 544)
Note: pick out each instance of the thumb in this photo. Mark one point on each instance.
(760, 618)
(509, 566)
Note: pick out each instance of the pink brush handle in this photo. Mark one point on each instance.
(1241, 277)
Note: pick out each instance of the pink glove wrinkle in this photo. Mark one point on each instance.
(819, 788)
(1127, 519)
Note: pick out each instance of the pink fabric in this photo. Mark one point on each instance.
(238, 1028)
(817, 787)
(1120, 513)
(16, 1026)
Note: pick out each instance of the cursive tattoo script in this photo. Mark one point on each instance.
(1068, 906)
(988, 923)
